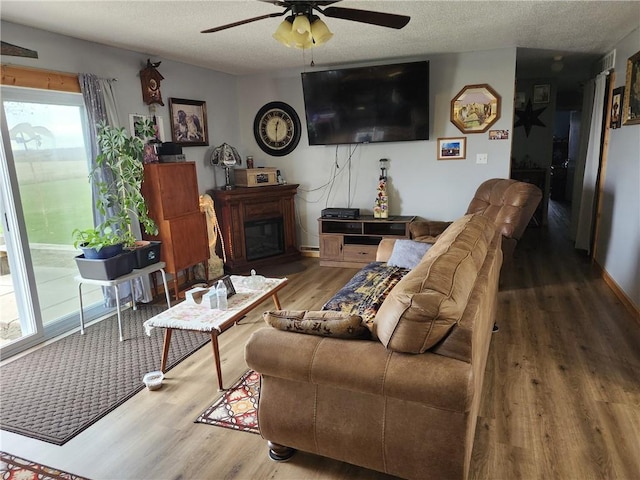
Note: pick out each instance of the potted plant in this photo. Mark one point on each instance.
(121, 158)
(98, 244)
(118, 177)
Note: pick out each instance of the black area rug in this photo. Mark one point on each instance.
(59, 390)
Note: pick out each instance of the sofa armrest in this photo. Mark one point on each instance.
(385, 248)
(361, 365)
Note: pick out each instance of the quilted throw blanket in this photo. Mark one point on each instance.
(365, 292)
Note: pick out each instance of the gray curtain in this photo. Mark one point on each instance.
(586, 215)
(99, 100)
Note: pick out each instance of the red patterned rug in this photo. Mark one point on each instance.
(16, 468)
(238, 407)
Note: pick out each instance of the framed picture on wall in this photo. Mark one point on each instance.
(475, 108)
(617, 101)
(452, 148)
(631, 111)
(138, 117)
(188, 122)
(541, 93)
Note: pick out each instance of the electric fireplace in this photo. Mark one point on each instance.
(263, 238)
(258, 226)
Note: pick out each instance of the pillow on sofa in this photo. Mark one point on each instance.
(323, 323)
(428, 301)
(407, 253)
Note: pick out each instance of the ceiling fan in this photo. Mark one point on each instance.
(304, 29)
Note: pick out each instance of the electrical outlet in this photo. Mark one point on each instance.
(481, 158)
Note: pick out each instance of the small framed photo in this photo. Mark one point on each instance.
(188, 122)
(631, 110)
(541, 93)
(227, 283)
(617, 101)
(452, 148)
(519, 100)
(498, 134)
(138, 117)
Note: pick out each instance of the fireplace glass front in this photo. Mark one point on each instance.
(264, 238)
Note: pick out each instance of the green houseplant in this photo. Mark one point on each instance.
(104, 243)
(118, 176)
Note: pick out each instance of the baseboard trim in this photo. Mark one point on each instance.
(618, 292)
(307, 251)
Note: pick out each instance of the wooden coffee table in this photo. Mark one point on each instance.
(201, 318)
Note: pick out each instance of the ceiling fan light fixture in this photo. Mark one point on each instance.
(301, 25)
(299, 35)
(320, 32)
(283, 33)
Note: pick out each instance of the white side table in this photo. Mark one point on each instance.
(117, 281)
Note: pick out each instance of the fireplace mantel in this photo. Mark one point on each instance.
(242, 205)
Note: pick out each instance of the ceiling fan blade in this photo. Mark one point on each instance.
(289, 3)
(242, 22)
(367, 16)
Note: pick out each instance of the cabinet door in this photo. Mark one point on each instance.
(331, 247)
(176, 189)
(189, 241)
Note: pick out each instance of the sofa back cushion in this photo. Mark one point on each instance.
(430, 300)
(509, 203)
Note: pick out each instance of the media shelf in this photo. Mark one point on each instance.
(354, 242)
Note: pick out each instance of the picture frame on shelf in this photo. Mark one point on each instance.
(227, 283)
(541, 93)
(631, 110)
(188, 122)
(452, 148)
(475, 108)
(617, 103)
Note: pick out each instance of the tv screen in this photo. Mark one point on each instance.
(384, 103)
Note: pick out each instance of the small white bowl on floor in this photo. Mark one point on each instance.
(153, 380)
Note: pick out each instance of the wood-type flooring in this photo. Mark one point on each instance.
(561, 396)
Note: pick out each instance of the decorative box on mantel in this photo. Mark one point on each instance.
(255, 177)
(258, 226)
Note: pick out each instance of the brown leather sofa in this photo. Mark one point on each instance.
(406, 400)
(509, 203)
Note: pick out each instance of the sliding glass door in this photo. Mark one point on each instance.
(45, 195)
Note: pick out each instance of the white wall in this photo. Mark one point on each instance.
(419, 183)
(218, 90)
(618, 242)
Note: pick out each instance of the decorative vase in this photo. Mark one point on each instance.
(381, 206)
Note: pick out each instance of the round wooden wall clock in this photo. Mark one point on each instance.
(277, 129)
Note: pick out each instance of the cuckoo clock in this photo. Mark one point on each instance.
(150, 79)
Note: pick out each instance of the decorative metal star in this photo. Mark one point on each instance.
(528, 117)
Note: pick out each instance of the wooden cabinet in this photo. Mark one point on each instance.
(171, 193)
(258, 225)
(354, 243)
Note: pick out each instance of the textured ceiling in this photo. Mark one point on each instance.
(170, 29)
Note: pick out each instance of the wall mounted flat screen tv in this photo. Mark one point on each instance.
(383, 103)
